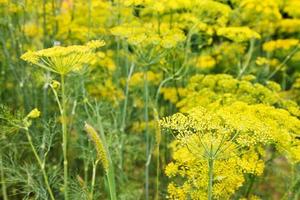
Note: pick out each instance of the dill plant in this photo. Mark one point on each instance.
(233, 122)
(62, 61)
(13, 125)
(230, 61)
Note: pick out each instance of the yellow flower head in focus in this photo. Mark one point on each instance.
(63, 60)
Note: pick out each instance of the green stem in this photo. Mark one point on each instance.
(210, 178)
(93, 180)
(42, 166)
(124, 111)
(157, 172)
(110, 175)
(146, 118)
(247, 62)
(126, 97)
(293, 52)
(250, 186)
(65, 137)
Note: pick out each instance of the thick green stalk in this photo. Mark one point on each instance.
(157, 172)
(210, 178)
(124, 111)
(110, 175)
(146, 118)
(42, 166)
(65, 137)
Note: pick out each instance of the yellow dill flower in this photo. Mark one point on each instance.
(95, 44)
(205, 62)
(224, 89)
(251, 163)
(107, 91)
(137, 78)
(261, 16)
(99, 145)
(32, 30)
(238, 34)
(283, 44)
(133, 2)
(292, 7)
(35, 113)
(235, 135)
(261, 61)
(55, 84)
(212, 12)
(62, 60)
(289, 26)
(172, 38)
(172, 94)
(145, 34)
(171, 169)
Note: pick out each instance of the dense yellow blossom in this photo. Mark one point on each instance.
(62, 60)
(224, 89)
(263, 61)
(292, 7)
(281, 44)
(137, 78)
(262, 16)
(147, 35)
(172, 94)
(289, 26)
(231, 134)
(106, 91)
(205, 62)
(238, 34)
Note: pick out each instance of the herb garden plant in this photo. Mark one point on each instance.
(145, 99)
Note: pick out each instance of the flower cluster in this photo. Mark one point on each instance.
(63, 60)
(235, 136)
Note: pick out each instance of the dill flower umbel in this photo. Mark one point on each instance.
(281, 44)
(238, 34)
(63, 60)
(145, 35)
(233, 136)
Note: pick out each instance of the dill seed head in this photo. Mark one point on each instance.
(99, 146)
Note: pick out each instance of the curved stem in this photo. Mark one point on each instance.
(42, 166)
